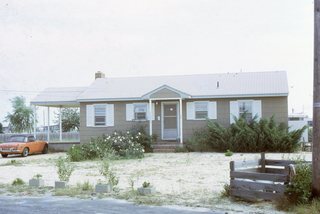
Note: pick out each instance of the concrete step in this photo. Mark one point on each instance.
(164, 150)
(165, 146)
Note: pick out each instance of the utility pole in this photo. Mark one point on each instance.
(316, 104)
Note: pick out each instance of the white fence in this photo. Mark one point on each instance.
(54, 137)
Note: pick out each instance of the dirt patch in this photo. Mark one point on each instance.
(188, 179)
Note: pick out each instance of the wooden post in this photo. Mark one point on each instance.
(150, 117)
(48, 133)
(263, 162)
(180, 121)
(60, 124)
(316, 104)
(232, 166)
(35, 121)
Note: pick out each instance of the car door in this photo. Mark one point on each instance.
(32, 144)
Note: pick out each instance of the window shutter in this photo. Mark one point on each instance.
(110, 115)
(90, 115)
(234, 110)
(256, 109)
(190, 111)
(129, 112)
(212, 110)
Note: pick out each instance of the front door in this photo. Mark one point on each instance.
(169, 121)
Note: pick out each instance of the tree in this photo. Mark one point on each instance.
(70, 119)
(21, 119)
(1, 128)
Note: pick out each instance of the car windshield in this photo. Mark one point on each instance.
(16, 139)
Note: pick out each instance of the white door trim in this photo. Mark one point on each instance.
(178, 119)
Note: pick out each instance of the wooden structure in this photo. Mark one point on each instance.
(260, 179)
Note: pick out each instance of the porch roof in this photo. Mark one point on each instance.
(58, 97)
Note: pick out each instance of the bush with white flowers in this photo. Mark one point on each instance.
(114, 146)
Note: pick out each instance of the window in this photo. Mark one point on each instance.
(140, 111)
(245, 109)
(201, 110)
(31, 139)
(100, 115)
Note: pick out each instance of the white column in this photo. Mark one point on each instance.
(181, 119)
(35, 121)
(48, 132)
(150, 117)
(60, 124)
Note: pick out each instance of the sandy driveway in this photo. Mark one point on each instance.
(194, 179)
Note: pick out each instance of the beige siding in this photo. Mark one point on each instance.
(277, 106)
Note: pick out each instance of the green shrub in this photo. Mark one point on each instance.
(228, 153)
(299, 191)
(182, 149)
(17, 182)
(76, 153)
(264, 135)
(146, 184)
(117, 145)
(65, 168)
(144, 139)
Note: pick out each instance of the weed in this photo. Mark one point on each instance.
(299, 190)
(146, 184)
(37, 176)
(86, 186)
(109, 175)
(313, 208)
(65, 169)
(226, 191)
(17, 182)
(228, 153)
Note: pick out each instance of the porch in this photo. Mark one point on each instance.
(56, 98)
(166, 115)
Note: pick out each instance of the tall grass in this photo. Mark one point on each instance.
(264, 135)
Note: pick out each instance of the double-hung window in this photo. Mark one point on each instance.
(100, 115)
(201, 110)
(245, 110)
(140, 111)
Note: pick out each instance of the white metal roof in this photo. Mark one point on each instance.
(198, 85)
(255, 84)
(66, 96)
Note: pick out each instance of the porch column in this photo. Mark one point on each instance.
(60, 124)
(150, 117)
(48, 132)
(35, 121)
(181, 119)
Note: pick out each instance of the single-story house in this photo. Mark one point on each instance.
(171, 107)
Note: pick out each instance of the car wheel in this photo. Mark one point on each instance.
(4, 155)
(45, 149)
(25, 152)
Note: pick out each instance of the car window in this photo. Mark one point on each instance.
(31, 139)
(17, 139)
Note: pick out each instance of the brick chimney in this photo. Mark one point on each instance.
(99, 74)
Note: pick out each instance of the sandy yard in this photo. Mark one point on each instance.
(188, 179)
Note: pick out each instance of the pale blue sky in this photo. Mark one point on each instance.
(56, 43)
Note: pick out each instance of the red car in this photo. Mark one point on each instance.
(24, 145)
